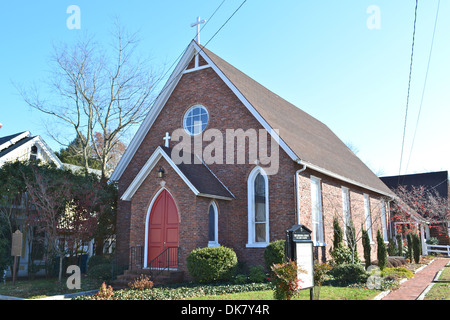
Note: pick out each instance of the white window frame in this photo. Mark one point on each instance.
(214, 243)
(317, 211)
(251, 243)
(368, 217)
(383, 219)
(346, 214)
(195, 123)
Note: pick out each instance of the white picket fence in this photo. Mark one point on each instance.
(440, 249)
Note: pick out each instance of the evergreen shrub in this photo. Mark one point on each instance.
(366, 247)
(274, 253)
(212, 264)
(101, 272)
(399, 244)
(410, 247)
(346, 274)
(257, 274)
(381, 251)
(416, 248)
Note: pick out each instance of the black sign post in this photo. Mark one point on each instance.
(299, 248)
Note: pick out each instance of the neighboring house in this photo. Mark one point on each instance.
(435, 183)
(23, 147)
(247, 204)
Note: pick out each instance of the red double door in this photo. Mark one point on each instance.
(163, 232)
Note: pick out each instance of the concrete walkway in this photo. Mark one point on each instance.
(68, 296)
(411, 289)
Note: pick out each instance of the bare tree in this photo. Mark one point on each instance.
(94, 89)
(431, 206)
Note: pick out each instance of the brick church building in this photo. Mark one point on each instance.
(253, 166)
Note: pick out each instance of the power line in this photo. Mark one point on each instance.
(201, 49)
(223, 25)
(181, 54)
(425, 82)
(409, 86)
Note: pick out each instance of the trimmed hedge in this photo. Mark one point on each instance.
(212, 264)
(274, 253)
(346, 274)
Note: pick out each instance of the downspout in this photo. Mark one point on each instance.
(297, 196)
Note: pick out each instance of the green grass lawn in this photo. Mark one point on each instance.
(445, 275)
(40, 288)
(440, 291)
(326, 293)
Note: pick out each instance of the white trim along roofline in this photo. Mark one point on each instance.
(167, 90)
(35, 140)
(149, 165)
(165, 94)
(342, 178)
(17, 138)
(153, 114)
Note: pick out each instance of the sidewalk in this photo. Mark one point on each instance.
(68, 296)
(411, 289)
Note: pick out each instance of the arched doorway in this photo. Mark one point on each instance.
(162, 232)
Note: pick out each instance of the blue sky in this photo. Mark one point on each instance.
(319, 55)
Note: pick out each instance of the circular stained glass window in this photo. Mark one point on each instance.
(196, 120)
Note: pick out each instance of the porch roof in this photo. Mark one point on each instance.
(197, 176)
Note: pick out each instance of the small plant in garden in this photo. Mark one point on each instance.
(410, 246)
(381, 251)
(105, 292)
(416, 247)
(339, 253)
(285, 280)
(392, 247)
(257, 274)
(320, 272)
(399, 244)
(274, 253)
(351, 241)
(142, 283)
(366, 246)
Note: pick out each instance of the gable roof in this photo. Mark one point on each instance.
(432, 181)
(198, 177)
(10, 147)
(306, 140)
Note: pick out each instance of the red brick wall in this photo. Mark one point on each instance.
(226, 112)
(332, 206)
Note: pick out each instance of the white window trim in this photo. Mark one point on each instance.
(346, 214)
(383, 220)
(251, 208)
(195, 123)
(316, 188)
(214, 243)
(368, 217)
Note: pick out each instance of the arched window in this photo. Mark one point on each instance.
(258, 208)
(213, 226)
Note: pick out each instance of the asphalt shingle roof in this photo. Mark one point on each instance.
(311, 140)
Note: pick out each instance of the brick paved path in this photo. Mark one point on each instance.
(412, 288)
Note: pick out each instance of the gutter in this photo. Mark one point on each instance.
(339, 177)
(297, 196)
